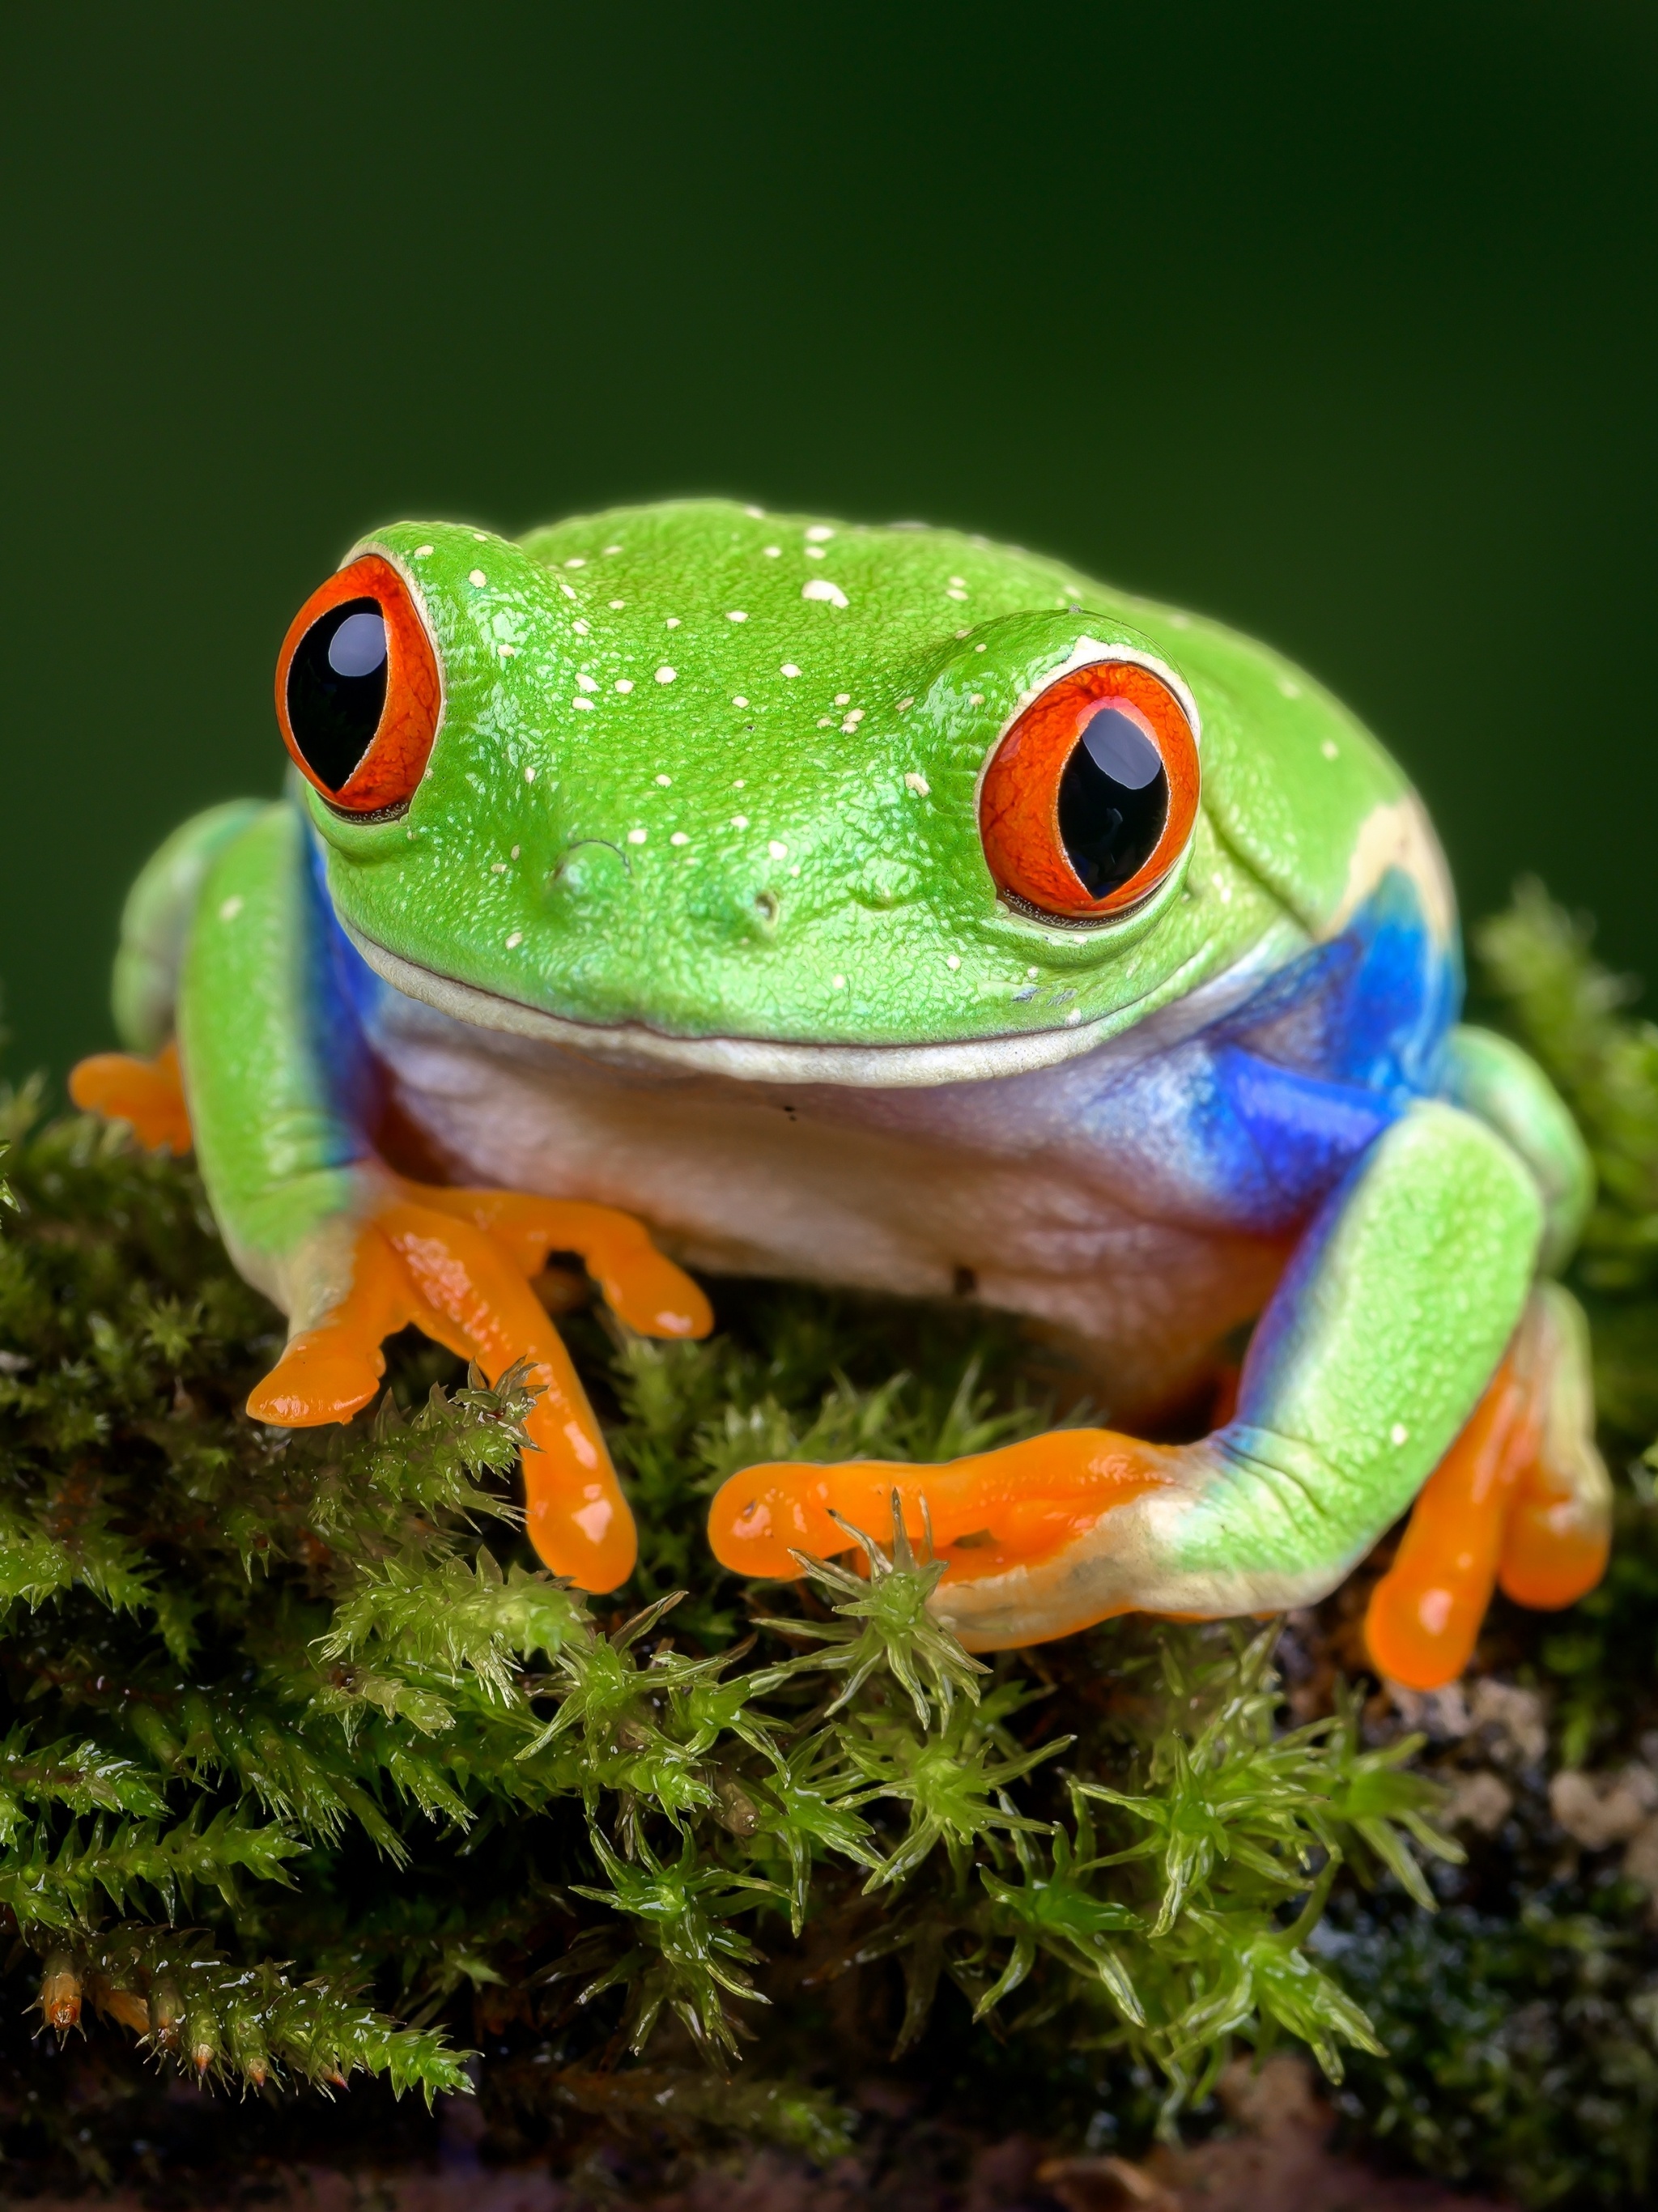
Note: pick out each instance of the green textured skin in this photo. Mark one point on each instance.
(273, 1136)
(876, 882)
(1398, 1324)
(1494, 1078)
(156, 920)
(828, 871)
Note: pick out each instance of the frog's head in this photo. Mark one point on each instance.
(781, 797)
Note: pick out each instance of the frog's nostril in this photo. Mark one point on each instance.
(587, 869)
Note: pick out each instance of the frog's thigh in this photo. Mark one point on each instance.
(1378, 1343)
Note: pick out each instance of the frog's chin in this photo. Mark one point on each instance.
(761, 1060)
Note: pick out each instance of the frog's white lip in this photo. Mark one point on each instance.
(758, 1059)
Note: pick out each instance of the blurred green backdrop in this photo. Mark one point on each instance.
(1337, 323)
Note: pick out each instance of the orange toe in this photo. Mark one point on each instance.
(147, 1093)
(640, 1285)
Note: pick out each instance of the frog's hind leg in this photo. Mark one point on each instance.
(1522, 1502)
(144, 1086)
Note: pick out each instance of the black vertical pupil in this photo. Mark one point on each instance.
(336, 689)
(1114, 801)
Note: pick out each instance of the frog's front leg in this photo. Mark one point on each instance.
(280, 1090)
(1386, 1329)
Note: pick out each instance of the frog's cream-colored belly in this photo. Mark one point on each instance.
(878, 1190)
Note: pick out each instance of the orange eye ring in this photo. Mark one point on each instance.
(358, 692)
(1088, 801)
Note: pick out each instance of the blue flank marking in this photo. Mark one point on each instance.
(1249, 1124)
(344, 992)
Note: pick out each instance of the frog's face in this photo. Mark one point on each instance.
(688, 774)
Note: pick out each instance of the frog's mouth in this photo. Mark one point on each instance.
(760, 1059)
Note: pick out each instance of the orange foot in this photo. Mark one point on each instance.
(456, 1264)
(989, 1515)
(1521, 1502)
(148, 1093)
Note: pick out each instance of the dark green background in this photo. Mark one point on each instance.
(1337, 322)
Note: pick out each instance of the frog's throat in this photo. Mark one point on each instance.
(759, 1060)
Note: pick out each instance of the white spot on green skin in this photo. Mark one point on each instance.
(755, 513)
(960, 582)
(795, 869)
(1329, 749)
(738, 700)
(1073, 1018)
(667, 675)
(918, 784)
(529, 775)
(515, 941)
(569, 590)
(772, 552)
(1399, 1434)
(616, 606)
(672, 623)
(788, 669)
(585, 682)
(231, 907)
(679, 838)
(736, 614)
(1032, 971)
(843, 698)
(837, 983)
(904, 706)
(976, 699)
(778, 850)
(497, 867)
(665, 780)
(636, 837)
(814, 552)
(580, 701)
(819, 587)
(612, 549)
(576, 561)
(579, 627)
(826, 721)
(516, 850)
(424, 552)
(980, 648)
(624, 685)
(819, 534)
(954, 594)
(954, 961)
(739, 822)
(1289, 687)
(741, 784)
(481, 536)
(478, 577)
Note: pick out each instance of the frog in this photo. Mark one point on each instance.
(702, 891)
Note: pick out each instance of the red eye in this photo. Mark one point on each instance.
(1088, 800)
(357, 690)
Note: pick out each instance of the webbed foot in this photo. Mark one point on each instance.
(1005, 1522)
(1522, 1502)
(148, 1093)
(458, 1264)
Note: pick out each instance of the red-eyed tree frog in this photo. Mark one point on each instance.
(884, 906)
